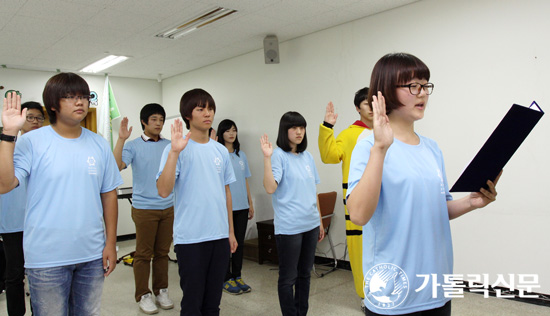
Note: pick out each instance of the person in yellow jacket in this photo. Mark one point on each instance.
(333, 150)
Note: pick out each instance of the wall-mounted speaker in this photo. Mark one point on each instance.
(271, 49)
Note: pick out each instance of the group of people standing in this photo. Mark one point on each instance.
(193, 190)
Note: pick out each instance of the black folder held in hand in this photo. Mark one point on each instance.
(499, 148)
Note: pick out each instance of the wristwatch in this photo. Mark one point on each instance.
(8, 138)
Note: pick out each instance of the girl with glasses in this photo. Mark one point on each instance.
(398, 192)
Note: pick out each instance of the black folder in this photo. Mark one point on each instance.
(499, 148)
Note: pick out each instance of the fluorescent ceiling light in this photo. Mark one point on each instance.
(195, 23)
(104, 63)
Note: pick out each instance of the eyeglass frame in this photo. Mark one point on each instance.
(75, 98)
(424, 87)
(39, 119)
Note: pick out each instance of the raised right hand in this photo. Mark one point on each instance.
(330, 116)
(383, 133)
(124, 133)
(13, 118)
(178, 142)
(267, 148)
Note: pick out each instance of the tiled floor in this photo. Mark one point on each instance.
(333, 294)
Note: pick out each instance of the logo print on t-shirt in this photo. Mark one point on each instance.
(242, 164)
(218, 163)
(309, 173)
(386, 285)
(91, 165)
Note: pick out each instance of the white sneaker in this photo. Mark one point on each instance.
(146, 304)
(163, 300)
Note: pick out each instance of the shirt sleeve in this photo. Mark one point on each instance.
(247, 173)
(277, 165)
(128, 153)
(111, 174)
(331, 149)
(315, 172)
(229, 175)
(163, 160)
(359, 159)
(22, 159)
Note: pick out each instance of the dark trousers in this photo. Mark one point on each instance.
(202, 268)
(15, 273)
(296, 256)
(444, 310)
(240, 220)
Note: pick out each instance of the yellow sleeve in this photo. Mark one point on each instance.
(331, 149)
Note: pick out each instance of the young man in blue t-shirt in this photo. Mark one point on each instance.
(12, 219)
(199, 171)
(71, 216)
(152, 214)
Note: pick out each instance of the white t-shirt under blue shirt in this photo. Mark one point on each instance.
(295, 199)
(239, 194)
(202, 172)
(64, 219)
(144, 156)
(409, 229)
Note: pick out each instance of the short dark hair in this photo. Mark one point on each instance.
(395, 69)
(60, 85)
(224, 126)
(193, 98)
(32, 105)
(148, 110)
(289, 120)
(360, 96)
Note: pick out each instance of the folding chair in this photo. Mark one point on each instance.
(327, 201)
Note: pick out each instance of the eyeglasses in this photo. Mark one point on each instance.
(414, 88)
(31, 118)
(75, 98)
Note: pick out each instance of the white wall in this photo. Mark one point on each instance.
(484, 55)
(131, 96)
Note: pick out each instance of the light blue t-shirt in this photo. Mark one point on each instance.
(295, 199)
(409, 229)
(202, 172)
(144, 156)
(239, 194)
(12, 210)
(64, 218)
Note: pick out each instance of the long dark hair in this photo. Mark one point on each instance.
(224, 126)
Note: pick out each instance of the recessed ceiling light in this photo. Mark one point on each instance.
(104, 63)
(197, 22)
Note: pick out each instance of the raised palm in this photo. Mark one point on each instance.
(330, 116)
(267, 148)
(178, 141)
(383, 133)
(124, 132)
(12, 116)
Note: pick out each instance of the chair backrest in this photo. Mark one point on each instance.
(327, 201)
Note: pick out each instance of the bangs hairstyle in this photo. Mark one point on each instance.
(148, 110)
(224, 126)
(395, 69)
(60, 85)
(289, 120)
(193, 98)
(32, 105)
(360, 96)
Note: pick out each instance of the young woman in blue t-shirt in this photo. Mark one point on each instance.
(243, 210)
(290, 176)
(398, 191)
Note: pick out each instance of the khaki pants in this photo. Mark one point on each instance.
(153, 240)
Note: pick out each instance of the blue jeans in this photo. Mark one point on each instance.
(296, 257)
(67, 290)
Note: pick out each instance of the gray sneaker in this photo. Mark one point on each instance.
(147, 305)
(163, 300)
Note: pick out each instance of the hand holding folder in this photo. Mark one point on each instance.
(499, 148)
